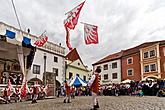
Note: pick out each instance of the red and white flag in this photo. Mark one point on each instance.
(90, 34)
(73, 16)
(41, 40)
(8, 87)
(23, 88)
(71, 22)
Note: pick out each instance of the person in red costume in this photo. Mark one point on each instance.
(94, 84)
(17, 94)
(35, 93)
(67, 91)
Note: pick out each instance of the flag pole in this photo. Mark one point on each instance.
(73, 8)
(87, 24)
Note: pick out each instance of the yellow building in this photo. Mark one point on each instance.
(75, 66)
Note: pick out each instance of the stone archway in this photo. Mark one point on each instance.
(151, 77)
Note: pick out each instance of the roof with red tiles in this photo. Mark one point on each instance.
(127, 52)
(137, 48)
(109, 58)
(73, 55)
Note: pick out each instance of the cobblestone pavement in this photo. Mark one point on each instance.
(84, 103)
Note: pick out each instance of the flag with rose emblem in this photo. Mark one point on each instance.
(90, 34)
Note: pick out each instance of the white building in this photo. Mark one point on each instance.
(54, 62)
(110, 68)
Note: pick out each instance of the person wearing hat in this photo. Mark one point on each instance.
(94, 84)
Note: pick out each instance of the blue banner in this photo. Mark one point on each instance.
(26, 40)
(10, 34)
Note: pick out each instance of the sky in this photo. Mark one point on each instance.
(122, 24)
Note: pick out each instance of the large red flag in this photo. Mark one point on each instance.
(67, 39)
(23, 90)
(90, 34)
(73, 16)
(71, 22)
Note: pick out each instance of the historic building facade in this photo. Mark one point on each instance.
(75, 66)
(49, 60)
(110, 68)
(146, 60)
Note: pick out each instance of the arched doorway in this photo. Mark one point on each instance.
(152, 77)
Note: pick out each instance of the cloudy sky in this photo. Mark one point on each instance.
(121, 23)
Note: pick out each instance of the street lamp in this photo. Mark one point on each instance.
(45, 69)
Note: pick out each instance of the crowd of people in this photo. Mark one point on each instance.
(147, 88)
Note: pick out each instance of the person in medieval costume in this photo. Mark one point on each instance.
(5, 94)
(17, 93)
(35, 93)
(94, 87)
(67, 91)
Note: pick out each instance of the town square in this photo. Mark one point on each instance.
(83, 103)
(82, 55)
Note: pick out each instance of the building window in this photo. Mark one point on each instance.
(84, 77)
(77, 75)
(129, 60)
(130, 72)
(145, 54)
(152, 53)
(153, 67)
(99, 67)
(146, 68)
(114, 75)
(55, 59)
(105, 76)
(114, 65)
(55, 70)
(36, 69)
(70, 75)
(106, 67)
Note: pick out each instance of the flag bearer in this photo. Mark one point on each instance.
(94, 84)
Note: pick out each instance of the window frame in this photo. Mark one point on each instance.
(155, 67)
(132, 71)
(145, 68)
(55, 70)
(105, 78)
(113, 75)
(55, 59)
(129, 59)
(147, 55)
(113, 66)
(71, 75)
(150, 53)
(105, 67)
(35, 67)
